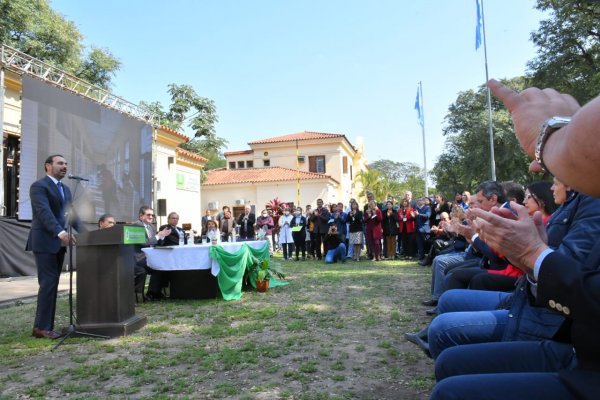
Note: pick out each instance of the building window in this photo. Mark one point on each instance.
(231, 164)
(266, 163)
(345, 165)
(249, 164)
(316, 164)
(351, 172)
(241, 164)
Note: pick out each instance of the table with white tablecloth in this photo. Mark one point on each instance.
(192, 271)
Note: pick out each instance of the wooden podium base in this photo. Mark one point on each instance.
(115, 329)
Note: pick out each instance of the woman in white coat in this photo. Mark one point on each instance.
(285, 234)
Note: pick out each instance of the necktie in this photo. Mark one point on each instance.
(61, 190)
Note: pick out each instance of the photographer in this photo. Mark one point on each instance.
(335, 245)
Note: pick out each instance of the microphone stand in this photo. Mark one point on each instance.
(71, 330)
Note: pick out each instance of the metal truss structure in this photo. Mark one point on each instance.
(21, 63)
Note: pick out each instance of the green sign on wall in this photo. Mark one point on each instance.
(134, 234)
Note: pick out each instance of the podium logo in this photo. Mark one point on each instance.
(134, 235)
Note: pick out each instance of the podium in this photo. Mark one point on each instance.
(105, 294)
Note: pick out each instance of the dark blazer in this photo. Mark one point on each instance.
(301, 234)
(355, 221)
(48, 218)
(247, 229)
(572, 288)
(321, 221)
(173, 238)
(389, 223)
(140, 256)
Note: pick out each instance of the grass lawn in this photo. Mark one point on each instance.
(334, 333)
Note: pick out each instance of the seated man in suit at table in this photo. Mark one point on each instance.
(177, 235)
(146, 216)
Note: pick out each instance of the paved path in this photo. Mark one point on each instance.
(24, 289)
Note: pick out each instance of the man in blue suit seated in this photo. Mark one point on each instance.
(48, 239)
(569, 148)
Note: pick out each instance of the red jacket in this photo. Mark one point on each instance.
(374, 231)
(410, 221)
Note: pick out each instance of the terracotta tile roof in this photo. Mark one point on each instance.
(174, 133)
(238, 153)
(299, 136)
(254, 175)
(191, 155)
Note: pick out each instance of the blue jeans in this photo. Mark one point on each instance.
(339, 253)
(466, 317)
(441, 265)
(503, 371)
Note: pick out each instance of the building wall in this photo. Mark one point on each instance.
(335, 149)
(12, 104)
(183, 195)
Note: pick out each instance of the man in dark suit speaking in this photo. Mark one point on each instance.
(48, 239)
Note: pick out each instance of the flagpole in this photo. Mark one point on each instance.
(297, 175)
(423, 134)
(489, 100)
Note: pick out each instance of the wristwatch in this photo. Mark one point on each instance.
(550, 126)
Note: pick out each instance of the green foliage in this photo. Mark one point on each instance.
(33, 27)
(568, 56)
(188, 109)
(466, 161)
(264, 269)
(400, 177)
(99, 67)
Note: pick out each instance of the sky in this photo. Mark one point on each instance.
(337, 66)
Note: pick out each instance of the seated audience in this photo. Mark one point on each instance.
(545, 369)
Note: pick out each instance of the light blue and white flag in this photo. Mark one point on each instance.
(419, 109)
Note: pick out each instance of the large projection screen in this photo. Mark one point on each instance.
(110, 149)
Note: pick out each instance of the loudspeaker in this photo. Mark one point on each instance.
(162, 207)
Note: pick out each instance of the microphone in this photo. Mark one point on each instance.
(78, 178)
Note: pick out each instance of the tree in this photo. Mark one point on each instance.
(198, 113)
(407, 176)
(380, 185)
(99, 67)
(31, 26)
(568, 56)
(466, 161)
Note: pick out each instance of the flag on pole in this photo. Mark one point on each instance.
(478, 27)
(419, 109)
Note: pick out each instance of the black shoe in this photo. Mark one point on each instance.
(150, 296)
(433, 311)
(430, 303)
(425, 262)
(423, 345)
(415, 337)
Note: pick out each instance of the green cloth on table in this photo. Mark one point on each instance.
(233, 267)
